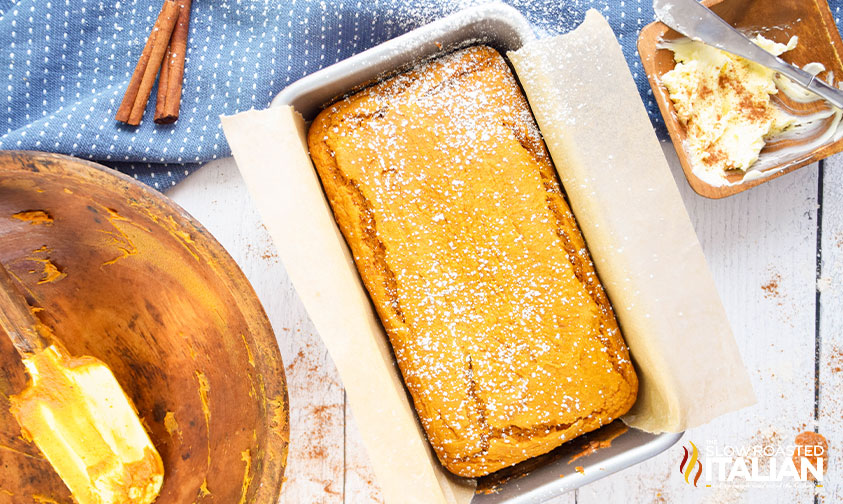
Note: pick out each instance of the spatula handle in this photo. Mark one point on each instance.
(16, 319)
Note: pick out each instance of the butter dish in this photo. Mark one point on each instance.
(807, 33)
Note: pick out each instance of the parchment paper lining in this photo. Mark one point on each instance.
(629, 209)
(627, 205)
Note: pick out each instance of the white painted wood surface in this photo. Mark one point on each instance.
(762, 247)
(830, 289)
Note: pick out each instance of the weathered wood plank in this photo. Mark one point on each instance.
(830, 290)
(217, 197)
(568, 498)
(761, 248)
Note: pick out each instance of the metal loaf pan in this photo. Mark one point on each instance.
(505, 29)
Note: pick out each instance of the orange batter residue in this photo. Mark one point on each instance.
(34, 217)
(246, 456)
(278, 407)
(249, 353)
(119, 238)
(204, 391)
(171, 424)
(203, 489)
(43, 499)
(597, 444)
(51, 272)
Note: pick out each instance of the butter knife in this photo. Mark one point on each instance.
(698, 22)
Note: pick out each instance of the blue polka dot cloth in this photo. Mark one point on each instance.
(65, 64)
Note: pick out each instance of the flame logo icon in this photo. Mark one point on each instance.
(686, 467)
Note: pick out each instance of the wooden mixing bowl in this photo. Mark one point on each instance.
(120, 272)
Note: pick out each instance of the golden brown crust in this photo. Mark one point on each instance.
(446, 196)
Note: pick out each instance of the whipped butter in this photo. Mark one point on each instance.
(725, 103)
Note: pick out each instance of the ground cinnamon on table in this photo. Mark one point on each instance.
(140, 86)
(168, 100)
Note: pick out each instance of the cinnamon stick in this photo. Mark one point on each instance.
(172, 72)
(163, 79)
(140, 86)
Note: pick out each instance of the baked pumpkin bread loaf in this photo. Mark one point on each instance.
(444, 191)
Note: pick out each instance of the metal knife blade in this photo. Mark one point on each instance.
(697, 22)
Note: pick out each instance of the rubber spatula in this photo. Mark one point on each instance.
(76, 413)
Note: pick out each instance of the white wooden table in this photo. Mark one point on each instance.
(776, 253)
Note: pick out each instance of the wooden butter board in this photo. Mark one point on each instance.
(778, 20)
